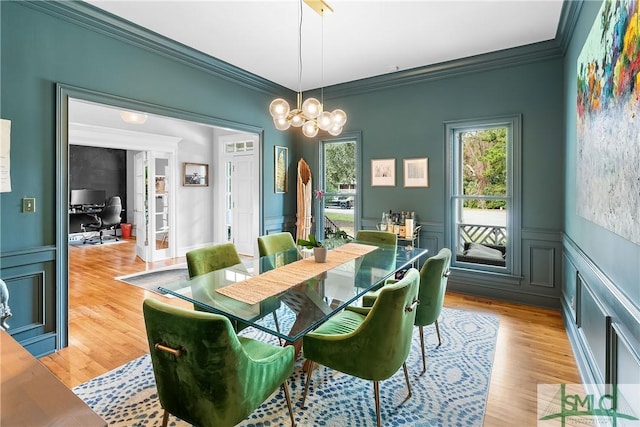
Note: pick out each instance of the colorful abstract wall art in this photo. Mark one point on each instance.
(608, 122)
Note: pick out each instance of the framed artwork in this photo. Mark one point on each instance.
(383, 172)
(416, 172)
(281, 159)
(195, 174)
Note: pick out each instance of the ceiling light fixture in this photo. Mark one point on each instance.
(133, 117)
(308, 114)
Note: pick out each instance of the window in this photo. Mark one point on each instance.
(483, 192)
(339, 180)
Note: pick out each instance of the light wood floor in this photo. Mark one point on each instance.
(106, 330)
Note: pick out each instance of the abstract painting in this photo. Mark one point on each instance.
(608, 121)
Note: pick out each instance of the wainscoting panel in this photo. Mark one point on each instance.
(30, 289)
(542, 266)
(30, 278)
(593, 326)
(626, 367)
(279, 224)
(602, 323)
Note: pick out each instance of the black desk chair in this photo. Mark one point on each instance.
(107, 219)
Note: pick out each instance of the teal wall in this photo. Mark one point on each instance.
(601, 286)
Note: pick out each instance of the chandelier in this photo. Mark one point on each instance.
(310, 114)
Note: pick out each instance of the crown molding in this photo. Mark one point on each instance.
(568, 20)
(489, 61)
(98, 20)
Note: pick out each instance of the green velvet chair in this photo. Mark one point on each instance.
(433, 285)
(274, 243)
(212, 258)
(375, 236)
(376, 260)
(205, 374)
(434, 275)
(369, 343)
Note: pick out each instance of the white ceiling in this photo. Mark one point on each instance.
(362, 38)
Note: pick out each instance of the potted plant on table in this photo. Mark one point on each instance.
(319, 250)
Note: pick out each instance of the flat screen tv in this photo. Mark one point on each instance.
(87, 197)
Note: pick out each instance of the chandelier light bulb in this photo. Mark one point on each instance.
(339, 117)
(279, 108)
(335, 130)
(311, 108)
(297, 119)
(282, 123)
(324, 120)
(310, 129)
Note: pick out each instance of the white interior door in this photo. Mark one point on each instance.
(160, 209)
(242, 181)
(140, 205)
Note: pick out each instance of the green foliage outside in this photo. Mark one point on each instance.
(340, 163)
(485, 166)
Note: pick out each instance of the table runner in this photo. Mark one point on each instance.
(273, 282)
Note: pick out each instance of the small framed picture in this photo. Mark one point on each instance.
(416, 172)
(195, 175)
(281, 160)
(383, 172)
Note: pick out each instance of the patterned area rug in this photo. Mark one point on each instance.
(453, 392)
(151, 280)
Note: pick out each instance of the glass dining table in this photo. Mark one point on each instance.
(308, 300)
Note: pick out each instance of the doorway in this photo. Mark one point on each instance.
(182, 233)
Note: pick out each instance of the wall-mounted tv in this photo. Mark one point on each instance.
(86, 197)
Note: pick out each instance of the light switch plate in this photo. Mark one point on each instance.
(29, 204)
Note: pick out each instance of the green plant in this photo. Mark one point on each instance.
(311, 243)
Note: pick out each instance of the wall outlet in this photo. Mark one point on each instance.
(29, 204)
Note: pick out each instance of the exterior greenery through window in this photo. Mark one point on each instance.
(340, 188)
(482, 202)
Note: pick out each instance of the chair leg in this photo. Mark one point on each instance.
(275, 320)
(306, 386)
(438, 332)
(406, 377)
(424, 358)
(285, 387)
(165, 418)
(376, 392)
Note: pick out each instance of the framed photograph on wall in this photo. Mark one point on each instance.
(416, 172)
(383, 172)
(195, 174)
(281, 159)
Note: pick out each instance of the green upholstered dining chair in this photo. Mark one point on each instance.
(434, 275)
(379, 259)
(273, 243)
(212, 258)
(375, 236)
(433, 285)
(207, 375)
(370, 343)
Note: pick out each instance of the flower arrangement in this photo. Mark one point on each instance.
(311, 243)
(319, 194)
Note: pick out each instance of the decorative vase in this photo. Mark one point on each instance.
(320, 254)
